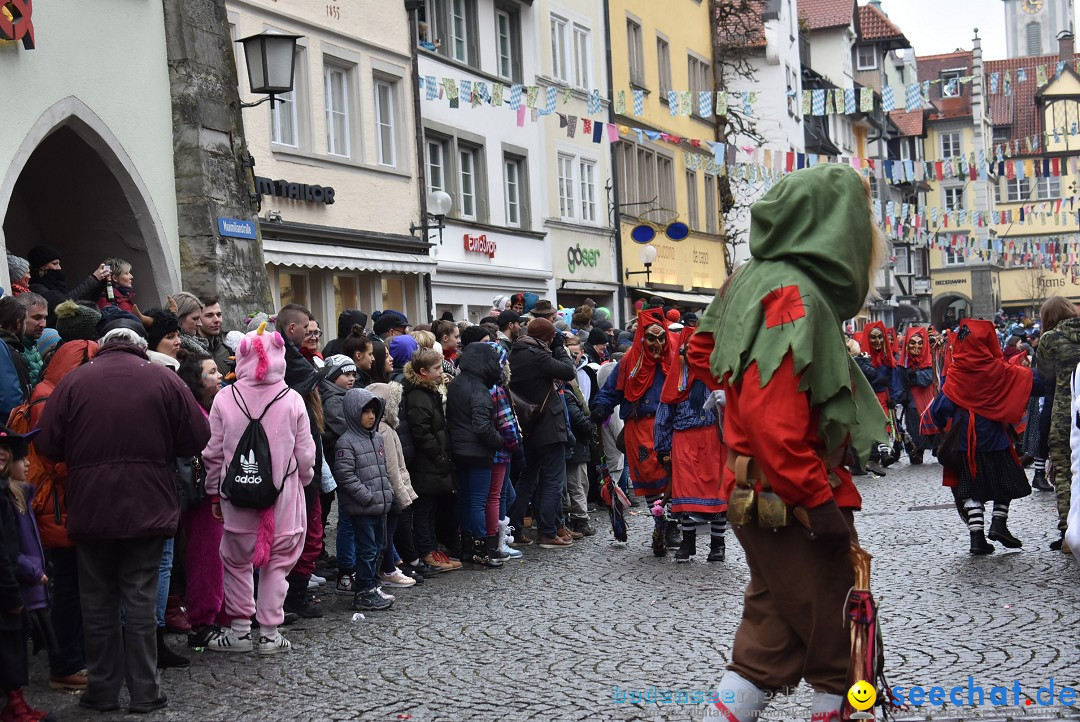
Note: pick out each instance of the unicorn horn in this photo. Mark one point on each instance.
(261, 328)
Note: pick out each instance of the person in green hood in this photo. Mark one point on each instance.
(796, 405)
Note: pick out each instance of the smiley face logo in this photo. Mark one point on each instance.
(862, 695)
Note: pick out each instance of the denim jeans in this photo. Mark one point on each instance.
(475, 484)
(346, 542)
(66, 613)
(544, 475)
(369, 533)
(389, 557)
(507, 498)
(164, 577)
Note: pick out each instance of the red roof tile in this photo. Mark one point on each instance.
(910, 124)
(821, 14)
(1019, 110)
(875, 25)
(931, 67)
(745, 30)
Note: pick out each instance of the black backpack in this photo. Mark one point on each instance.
(249, 480)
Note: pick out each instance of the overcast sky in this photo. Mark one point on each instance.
(941, 26)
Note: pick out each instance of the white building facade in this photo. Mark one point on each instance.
(487, 156)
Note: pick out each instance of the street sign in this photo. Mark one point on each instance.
(235, 228)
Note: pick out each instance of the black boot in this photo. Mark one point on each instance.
(491, 545)
(166, 658)
(673, 534)
(917, 457)
(659, 542)
(1040, 483)
(979, 545)
(999, 532)
(688, 548)
(297, 599)
(1055, 546)
(474, 551)
(716, 549)
(885, 456)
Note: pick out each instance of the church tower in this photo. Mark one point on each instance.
(1032, 26)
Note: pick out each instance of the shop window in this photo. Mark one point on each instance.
(293, 287)
(385, 122)
(663, 66)
(711, 193)
(393, 293)
(692, 200)
(336, 81)
(587, 180)
(346, 293)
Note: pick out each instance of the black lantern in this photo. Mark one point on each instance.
(271, 62)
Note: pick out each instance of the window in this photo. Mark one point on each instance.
(560, 62)
(866, 57)
(950, 84)
(1034, 39)
(385, 136)
(507, 35)
(435, 16)
(626, 168)
(792, 94)
(459, 29)
(566, 186)
(1016, 190)
(663, 64)
(692, 200)
(955, 256)
(700, 79)
(514, 176)
(336, 82)
(918, 262)
(293, 288)
(950, 145)
(346, 292)
(902, 264)
(646, 175)
(711, 191)
(1047, 188)
(636, 52)
(283, 120)
(665, 178)
(587, 179)
(954, 198)
(468, 168)
(582, 64)
(436, 165)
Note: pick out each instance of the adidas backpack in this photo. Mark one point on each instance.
(249, 480)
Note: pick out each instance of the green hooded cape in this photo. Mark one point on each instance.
(811, 231)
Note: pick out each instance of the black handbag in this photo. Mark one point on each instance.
(948, 451)
(190, 482)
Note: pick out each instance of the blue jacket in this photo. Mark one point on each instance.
(903, 379)
(878, 376)
(989, 435)
(604, 403)
(682, 416)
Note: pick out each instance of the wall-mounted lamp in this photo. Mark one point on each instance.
(438, 205)
(647, 256)
(271, 62)
(273, 216)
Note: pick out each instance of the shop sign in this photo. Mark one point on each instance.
(480, 244)
(295, 191)
(17, 23)
(236, 228)
(578, 257)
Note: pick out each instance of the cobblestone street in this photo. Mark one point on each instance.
(552, 636)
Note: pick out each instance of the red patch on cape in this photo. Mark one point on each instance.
(783, 305)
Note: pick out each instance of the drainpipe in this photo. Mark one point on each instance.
(412, 7)
(616, 195)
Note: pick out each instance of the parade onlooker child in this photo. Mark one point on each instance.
(269, 539)
(24, 596)
(366, 496)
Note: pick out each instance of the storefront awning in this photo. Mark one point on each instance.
(346, 258)
(588, 287)
(691, 299)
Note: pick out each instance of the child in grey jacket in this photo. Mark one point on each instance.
(364, 488)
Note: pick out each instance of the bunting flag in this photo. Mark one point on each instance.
(497, 94)
(594, 104)
(532, 96)
(807, 102)
(705, 104)
(888, 100)
(620, 102)
(866, 100)
(914, 96)
(432, 88)
(819, 102)
(673, 102)
(721, 102)
(515, 96)
(639, 102)
(549, 101)
(685, 103)
(994, 78)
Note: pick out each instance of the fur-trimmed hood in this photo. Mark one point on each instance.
(391, 395)
(415, 379)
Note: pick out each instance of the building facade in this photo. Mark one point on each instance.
(1032, 26)
(336, 167)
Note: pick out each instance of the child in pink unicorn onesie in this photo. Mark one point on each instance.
(268, 539)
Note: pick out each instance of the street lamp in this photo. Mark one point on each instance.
(438, 205)
(271, 62)
(647, 256)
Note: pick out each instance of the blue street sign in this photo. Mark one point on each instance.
(235, 228)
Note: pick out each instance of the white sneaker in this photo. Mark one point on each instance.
(312, 584)
(318, 580)
(272, 646)
(384, 595)
(396, 579)
(226, 640)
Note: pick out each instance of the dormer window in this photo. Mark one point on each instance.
(950, 84)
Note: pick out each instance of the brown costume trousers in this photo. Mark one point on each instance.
(794, 624)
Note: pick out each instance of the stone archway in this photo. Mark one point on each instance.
(947, 310)
(72, 185)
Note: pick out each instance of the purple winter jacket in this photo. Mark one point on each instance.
(31, 565)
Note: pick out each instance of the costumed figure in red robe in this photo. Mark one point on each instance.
(688, 441)
(634, 387)
(796, 405)
(877, 361)
(914, 386)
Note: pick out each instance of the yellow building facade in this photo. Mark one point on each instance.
(656, 47)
